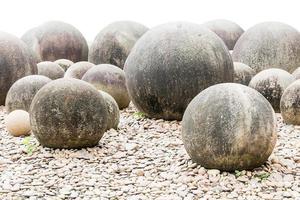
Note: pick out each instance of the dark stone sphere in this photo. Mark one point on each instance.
(113, 111)
(269, 45)
(113, 44)
(16, 61)
(21, 93)
(290, 104)
(170, 64)
(68, 113)
(242, 73)
(110, 79)
(229, 127)
(78, 69)
(54, 40)
(50, 69)
(64, 63)
(271, 83)
(227, 30)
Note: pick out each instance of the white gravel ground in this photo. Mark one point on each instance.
(144, 159)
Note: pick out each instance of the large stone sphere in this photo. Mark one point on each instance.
(269, 45)
(17, 123)
(21, 93)
(16, 61)
(68, 113)
(229, 127)
(170, 64)
(64, 63)
(50, 69)
(55, 40)
(113, 111)
(110, 79)
(78, 69)
(296, 73)
(290, 104)
(242, 73)
(113, 44)
(271, 83)
(227, 30)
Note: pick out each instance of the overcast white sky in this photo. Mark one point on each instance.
(90, 16)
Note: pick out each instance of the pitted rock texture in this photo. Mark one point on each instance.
(229, 127)
(113, 44)
(242, 73)
(77, 70)
(171, 63)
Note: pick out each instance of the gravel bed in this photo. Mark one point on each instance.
(144, 159)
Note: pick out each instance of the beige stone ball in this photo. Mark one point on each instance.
(17, 123)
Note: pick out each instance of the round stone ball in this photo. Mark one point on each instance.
(227, 30)
(290, 104)
(113, 111)
(110, 79)
(296, 73)
(64, 63)
(50, 70)
(68, 113)
(170, 64)
(113, 44)
(269, 45)
(242, 73)
(229, 127)
(16, 61)
(17, 123)
(21, 93)
(55, 40)
(271, 83)
(78, 69)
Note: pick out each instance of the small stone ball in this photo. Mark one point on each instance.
(271, 83)
(269, 45)
(78, 69)
(64, 63)
(113, 44)
(227, 30)
(296, 73)
(290, 104)
(170, 64)
(21, 93)
(16, 61)
(50, 70)
(229, 127)
(113, 111)
(68, 113)
(110, 79)
(17, 123)
(242, 73)
(55, 40)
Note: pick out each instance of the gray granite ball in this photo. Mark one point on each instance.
(78, 69)
(242, 73)
(50, 69)
(64, 63)
(113, 111)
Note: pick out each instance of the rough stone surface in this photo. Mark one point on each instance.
(113, 44)
(17, 123)
(170, 64)
(113, 111)
(16, 61)
(110, 79)
(296, 73)
(21, 93)
(271, 83)
(242, 73)
(68, 113)
(78, 69)
(57, 40)
(229, 127)
(290, 104)
(227, 30)
(64, 63)
(50, 70)
(269, 45)
(145, 159)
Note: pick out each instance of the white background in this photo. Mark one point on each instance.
(90, 16)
